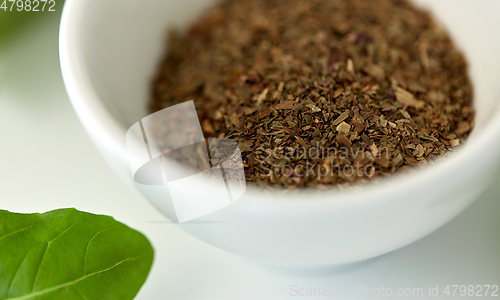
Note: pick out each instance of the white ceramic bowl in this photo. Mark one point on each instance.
(109, 53)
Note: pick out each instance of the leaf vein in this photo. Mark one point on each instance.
(87, 248)
(64, 231)
(47, 248)
(39, 265)
(17, 271)
(48, 290)
(20, 230)
(76, 288)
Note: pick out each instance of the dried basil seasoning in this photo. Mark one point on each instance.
(321, 92)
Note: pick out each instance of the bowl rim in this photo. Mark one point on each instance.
(468, 161)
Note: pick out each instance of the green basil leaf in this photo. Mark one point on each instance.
(69, 254)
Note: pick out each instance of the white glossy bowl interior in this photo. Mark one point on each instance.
(109, 54)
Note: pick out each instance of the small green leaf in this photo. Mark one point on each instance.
(69, 254)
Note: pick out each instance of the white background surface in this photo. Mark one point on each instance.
(48, 162)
